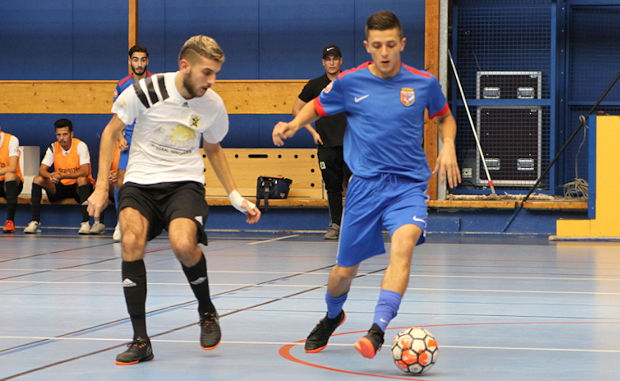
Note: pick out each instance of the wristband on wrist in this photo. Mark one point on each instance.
(236, 199)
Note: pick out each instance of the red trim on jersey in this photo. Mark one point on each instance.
(318, 107)
(148, 74)
(125, 79)
(416, 71)
(362, 66)
(441, 112)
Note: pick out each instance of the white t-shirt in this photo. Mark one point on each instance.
(13, 144)
(82, 150)
(165, 146)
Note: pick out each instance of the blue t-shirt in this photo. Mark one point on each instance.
(385, 119)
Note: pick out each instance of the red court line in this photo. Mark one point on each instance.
(285, 351)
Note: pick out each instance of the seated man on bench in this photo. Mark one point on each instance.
(11, 180)
(71, 177)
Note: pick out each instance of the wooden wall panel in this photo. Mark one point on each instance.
(431, 64)
(95, 97)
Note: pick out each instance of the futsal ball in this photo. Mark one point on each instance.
(414, 350)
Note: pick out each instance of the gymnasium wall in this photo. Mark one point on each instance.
(262, 39)
(573, 43)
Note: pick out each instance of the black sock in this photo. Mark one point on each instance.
(334, 200)
(11, 199)
(84, 192)
(35, 201)
(134, 288)
(198, 280)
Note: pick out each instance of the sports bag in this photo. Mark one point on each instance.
(271, 187)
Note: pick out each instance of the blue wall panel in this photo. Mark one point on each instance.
(152, 34)
(292, 37)
(99, 39)
(165, 25)
(262, 39)
(273, 39)
(62, 39)
(36, 39)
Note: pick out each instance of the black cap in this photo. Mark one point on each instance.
(332, 50)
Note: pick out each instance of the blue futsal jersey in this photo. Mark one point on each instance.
(125, 83)
(120, 87)
(385, 119)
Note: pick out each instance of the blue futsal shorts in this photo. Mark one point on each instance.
(385, 201)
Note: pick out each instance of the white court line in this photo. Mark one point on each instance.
(478, 347)
(431, 276)
(150, 271)
(274, 239)
(491, 291)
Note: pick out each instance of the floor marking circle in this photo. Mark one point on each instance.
(285, 350)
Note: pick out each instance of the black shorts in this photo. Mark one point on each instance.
(65, 191)
(163, 202)
(20, 186)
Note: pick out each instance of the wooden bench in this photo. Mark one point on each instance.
(247, 164)
(301, 165)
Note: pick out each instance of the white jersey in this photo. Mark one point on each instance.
(13, 144)
(166, 137)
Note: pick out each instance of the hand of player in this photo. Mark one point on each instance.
(253, 212)
(55, 177)
(97, 202)
(282, 131)
(113, 176)
(317, 138)
(447, 166)
(122, 144)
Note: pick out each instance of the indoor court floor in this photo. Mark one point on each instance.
(500, 308)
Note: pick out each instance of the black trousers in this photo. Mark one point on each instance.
(335, 174)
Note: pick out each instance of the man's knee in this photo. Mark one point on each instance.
(345, 272)
(183, 238)
(182, 233)
(134, 227)
(38, 180)
(404, 240)
(133, 244)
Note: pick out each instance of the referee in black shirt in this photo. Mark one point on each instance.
(328, 136)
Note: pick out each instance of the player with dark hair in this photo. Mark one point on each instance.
(138, 62)
(71, 178)
(164, 182)
(385, 101)
(11, 179)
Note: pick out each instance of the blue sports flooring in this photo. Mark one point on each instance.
(500, 309)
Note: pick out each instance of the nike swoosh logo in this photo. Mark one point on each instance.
(359, 99)
(415, 218)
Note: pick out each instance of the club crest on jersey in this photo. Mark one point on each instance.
(328, 87)
(195, 120)
(407, 96)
